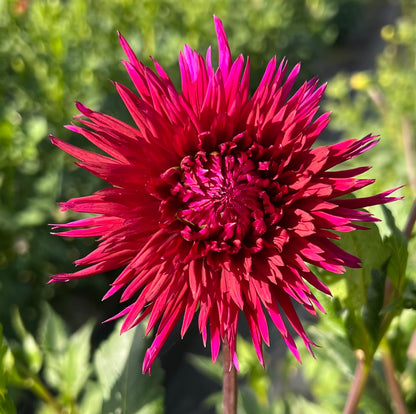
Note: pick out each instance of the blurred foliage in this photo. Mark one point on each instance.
(383, 102)
(55, 52)
(72, 380)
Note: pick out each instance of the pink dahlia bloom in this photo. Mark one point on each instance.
(217, 202)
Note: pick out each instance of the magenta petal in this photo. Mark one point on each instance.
(217, 201)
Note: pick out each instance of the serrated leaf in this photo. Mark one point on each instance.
(352, 288)
(117, 364)
(369, 247)
(67, 365)
(53, 339)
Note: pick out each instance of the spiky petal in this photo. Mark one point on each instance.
(217, 201)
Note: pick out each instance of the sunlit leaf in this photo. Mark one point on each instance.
(52, 332)
(75, 367)
(6, 403)
(92, 400)
(117, 364)
(356, 286)
(29, 349)
(397, 242)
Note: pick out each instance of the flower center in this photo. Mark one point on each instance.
(220, 200)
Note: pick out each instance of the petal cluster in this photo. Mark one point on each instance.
(217, 201)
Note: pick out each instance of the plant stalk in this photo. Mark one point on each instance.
(229, 382)
(360, 378)
(37, 387)
(393, 385)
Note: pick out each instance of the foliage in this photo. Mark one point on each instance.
(6, 403)
(62, 372)
(383, 101)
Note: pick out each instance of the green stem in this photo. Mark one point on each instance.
(37, 387)
(34, 384)
(229, 384)
(360, 379)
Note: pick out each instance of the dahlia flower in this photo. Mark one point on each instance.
(217, 201)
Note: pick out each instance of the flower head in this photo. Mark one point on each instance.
(217, 201)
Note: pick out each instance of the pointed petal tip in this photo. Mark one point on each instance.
(61, 277)
(148, 361)
(82, 108)
(235, 362)
(121, 38)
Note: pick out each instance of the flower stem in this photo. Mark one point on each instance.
(229, 382)
(42, 392)
(360, 378)
(393, 385)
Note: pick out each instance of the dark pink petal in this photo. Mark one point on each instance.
(217, 202)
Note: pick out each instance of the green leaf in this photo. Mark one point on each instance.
(205, 366)
(248, 401)
(110, 359)
(54, 342)
(52, 333)
(398, 245)
(356, 286)
(409, 296)
(126, 390)
(30, 349)
(92, 400)
(67, 365)
(6, 403)
(371, 314)
(369, 247)
(75, 367)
